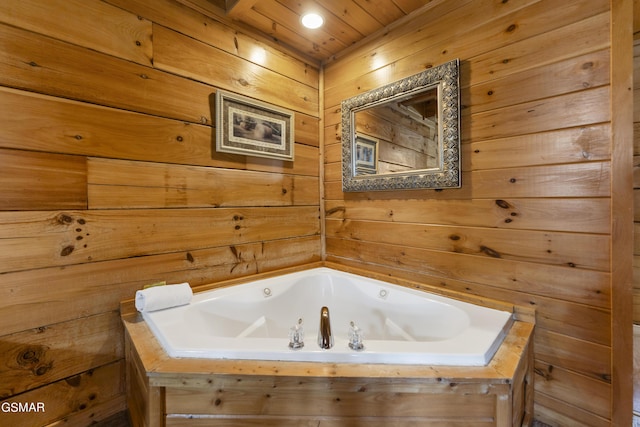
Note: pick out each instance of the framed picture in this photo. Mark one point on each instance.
(253, 128)
(366, 155)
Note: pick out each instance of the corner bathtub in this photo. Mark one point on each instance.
(400, 325)
(212, 381)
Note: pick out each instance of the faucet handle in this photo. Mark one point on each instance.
(356, 336)
(296, 335)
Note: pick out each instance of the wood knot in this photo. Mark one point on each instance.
(335, 210)
(243, 82)
(234, 251)
(64, 219)
(28, 356)
(74, 381)
(490, 252)
(544, 373)
(511, 28)
(503, 204)
(67, 250)
(42, 369)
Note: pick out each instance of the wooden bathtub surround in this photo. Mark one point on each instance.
(165, 391)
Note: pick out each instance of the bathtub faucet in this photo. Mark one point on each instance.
(325, 339)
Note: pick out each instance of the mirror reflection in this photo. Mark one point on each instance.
(399, 135)
(405, 134)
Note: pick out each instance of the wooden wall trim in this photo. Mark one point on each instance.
(321, 172)
(622, 209)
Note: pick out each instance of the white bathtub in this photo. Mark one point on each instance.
(400, 325)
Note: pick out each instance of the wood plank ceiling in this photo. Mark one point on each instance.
(345, 21)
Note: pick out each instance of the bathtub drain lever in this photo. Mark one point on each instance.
(325, 339)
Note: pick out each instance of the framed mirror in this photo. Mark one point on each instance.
(404, 135)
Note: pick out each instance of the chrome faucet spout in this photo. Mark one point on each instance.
(325, 339)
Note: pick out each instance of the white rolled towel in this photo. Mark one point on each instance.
(160, 297)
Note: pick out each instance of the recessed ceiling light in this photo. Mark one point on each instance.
(312, 20)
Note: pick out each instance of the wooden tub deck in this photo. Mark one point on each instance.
(165, 391)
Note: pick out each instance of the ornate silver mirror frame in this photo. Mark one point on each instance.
(362, 174)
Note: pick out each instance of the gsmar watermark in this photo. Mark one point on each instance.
(22, 407)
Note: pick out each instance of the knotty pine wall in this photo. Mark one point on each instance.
(110, 182)
(532, 223)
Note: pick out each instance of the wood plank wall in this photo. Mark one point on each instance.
(110, 182)
(532, 222)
